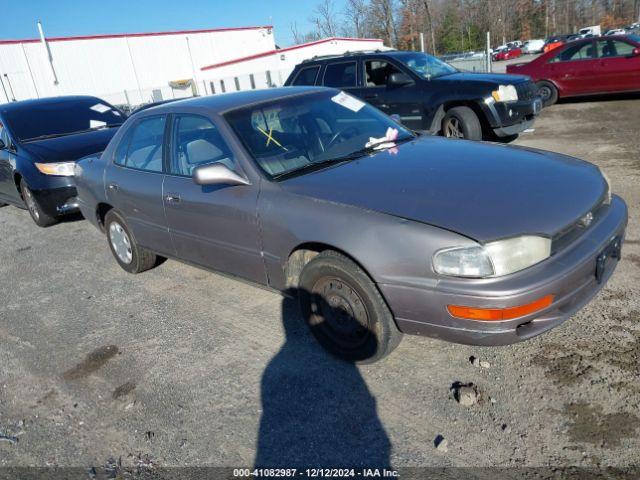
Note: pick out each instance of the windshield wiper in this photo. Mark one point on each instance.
(345, 158)
(56, 135)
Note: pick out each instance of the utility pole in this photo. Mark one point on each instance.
(422, 42)
(47, 51)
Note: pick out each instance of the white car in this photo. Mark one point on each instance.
(616, 31)
(534, 46)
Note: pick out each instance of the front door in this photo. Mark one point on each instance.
(8, 190)
(619, 68)
(391, 99)
(134, 183)
(214, 226)
(574, 67)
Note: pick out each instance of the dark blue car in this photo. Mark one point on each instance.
(40, 141)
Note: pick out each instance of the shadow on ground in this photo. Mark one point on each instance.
(316, 410)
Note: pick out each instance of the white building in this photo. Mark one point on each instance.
(144, 67)
(127, 68)
(271, 68)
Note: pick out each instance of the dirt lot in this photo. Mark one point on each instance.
(178, 366)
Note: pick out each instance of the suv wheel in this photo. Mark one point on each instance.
(345, 311)
(461, 122)
(38, 215)
(548, 92)
(130, 256)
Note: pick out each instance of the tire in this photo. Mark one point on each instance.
(345, 311)
(461, 122)
(548, 92)
(130, 256)
(38, 215)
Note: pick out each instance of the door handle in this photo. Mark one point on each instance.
(173, 198)
(113, 187)
(371, 96)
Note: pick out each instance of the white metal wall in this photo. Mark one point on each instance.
(109, 67)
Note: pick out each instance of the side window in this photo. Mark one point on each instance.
(340, 75)
(4, 136)
(307, 76)
(614, 48)
(197, 142)
(142, 146)
(377, 72)
(582, 51)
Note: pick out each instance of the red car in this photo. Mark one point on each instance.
(507, 53)
(585, 67)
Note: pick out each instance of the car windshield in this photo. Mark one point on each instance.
(60, 118)
(425, 65)
(298, 134)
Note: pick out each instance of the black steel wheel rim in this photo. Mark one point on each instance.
(339, 313)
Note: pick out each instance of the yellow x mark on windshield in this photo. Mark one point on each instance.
(271, 139)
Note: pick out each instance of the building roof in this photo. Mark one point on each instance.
(287, 49)
(122, 35)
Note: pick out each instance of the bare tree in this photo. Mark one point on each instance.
(325, 19)
(355, 13)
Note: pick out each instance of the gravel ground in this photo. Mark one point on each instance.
(179, 366)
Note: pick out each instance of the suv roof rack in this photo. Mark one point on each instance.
(345, 54)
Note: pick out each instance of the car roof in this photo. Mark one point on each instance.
(223, 102)
(359, 54)
(22, 104)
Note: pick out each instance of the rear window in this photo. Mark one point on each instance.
(340, 75)
(61, 118)
(306, 76)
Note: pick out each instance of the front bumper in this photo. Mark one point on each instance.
(511, 118)
(570, 275)
(57, 202)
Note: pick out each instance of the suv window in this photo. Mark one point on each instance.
(582, 51)
(340, 75)
(197, 142)
(614, 48)
(307, 76)
(378, 71)
(142, 146)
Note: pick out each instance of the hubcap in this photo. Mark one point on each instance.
(340, 313)
(120, 242)
(545, 92)
(31, 203)
(453, 129)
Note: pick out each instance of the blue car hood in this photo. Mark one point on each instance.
(482, 190)
(70, 147)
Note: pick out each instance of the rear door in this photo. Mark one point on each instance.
(574, 67)
(8, 190)
(211, 225)
(391, 99)
(133, 182)
(343, 75)
(619, 68)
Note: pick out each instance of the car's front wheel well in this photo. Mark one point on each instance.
(17, 178)
(302, 255)
(101, 212)
(484, 123)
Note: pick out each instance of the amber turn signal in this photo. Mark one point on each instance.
(496, 314)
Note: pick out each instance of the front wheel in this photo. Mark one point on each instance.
(548, 92)
(345, 311)
(130, 256)
(461, 122)
(39, 216)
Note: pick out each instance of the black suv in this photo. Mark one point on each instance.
(428, 94)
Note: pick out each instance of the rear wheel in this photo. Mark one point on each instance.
(345, 311)
(130, 256)
(39, 216)
(461, 122)
(548, 92)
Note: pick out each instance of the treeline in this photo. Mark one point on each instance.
(460, 25)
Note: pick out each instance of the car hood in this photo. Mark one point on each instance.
(488, 78)
(70, 147)
(481, 190)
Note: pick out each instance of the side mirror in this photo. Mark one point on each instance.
(217, 174)
(399, 79)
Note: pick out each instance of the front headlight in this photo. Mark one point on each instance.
(493, 259)
(62, 169)
(505, 93)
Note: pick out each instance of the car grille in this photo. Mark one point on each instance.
(575, 230)
(527, 90)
